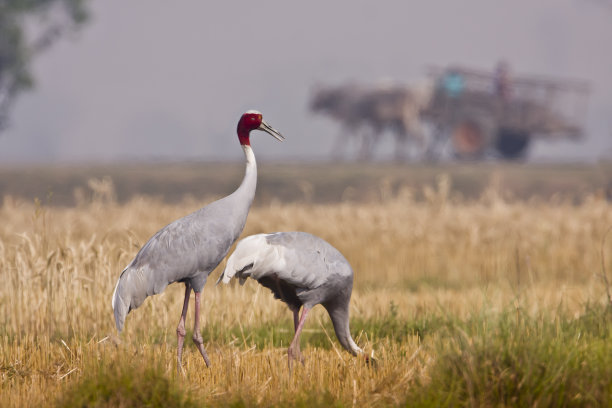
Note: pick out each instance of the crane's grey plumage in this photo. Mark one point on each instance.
(189, 249)
(302, 270)
(185, 250)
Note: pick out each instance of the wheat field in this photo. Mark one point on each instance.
(486, 302)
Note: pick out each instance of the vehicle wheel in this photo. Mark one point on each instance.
(511, 143)
(469, 139)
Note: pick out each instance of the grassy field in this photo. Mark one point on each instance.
(491, 298)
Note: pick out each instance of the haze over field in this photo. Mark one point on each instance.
(150, 79)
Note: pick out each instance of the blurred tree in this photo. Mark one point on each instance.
(28, 27)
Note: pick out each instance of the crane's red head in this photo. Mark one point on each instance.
(252, 120)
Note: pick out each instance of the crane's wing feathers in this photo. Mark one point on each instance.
(297, 258)
(187, 249)
(190, 245)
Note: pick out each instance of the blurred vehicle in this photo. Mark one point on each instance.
(495, 113)
(464, 113)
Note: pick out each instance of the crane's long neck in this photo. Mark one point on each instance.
(249, 182)
(245, 193)
(339, 314)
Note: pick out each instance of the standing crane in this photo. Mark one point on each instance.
(301, 270)
(190, 248)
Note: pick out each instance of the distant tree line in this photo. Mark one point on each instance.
(28, 27)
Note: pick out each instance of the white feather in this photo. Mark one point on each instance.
(116, 286)
(114, 293)
(256, 251)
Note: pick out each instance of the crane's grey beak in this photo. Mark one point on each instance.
(269, 129)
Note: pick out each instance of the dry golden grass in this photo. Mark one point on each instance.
(413, 260)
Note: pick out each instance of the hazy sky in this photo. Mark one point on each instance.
(157, 79)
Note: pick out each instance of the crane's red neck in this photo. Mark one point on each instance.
(243, 136)
(250, 120)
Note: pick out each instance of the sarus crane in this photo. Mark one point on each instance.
(303, 271)
(190, 248)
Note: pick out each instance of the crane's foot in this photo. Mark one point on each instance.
(294, 348)
(197, 339)
(294, 354)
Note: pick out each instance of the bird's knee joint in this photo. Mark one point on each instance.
(180, 331)
(197, 338)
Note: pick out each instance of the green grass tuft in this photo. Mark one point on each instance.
(391, 327)
(517, 360)
(128, 385)
(303, 400)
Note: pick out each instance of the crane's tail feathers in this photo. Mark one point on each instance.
(225, 278)
(119, 307)
(230, 272)
(227, 275)
(244, 258)
(131, 290)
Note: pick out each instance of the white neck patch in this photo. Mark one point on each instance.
(248, 152)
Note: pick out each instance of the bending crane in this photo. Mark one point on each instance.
(302, 270)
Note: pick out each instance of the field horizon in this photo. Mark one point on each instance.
(316, 182)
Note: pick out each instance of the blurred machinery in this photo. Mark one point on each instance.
(482, 113)
(458, 112)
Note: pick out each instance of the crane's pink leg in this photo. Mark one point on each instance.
(294, 347)
(197, 336)
(180, 330)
